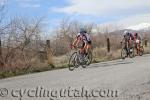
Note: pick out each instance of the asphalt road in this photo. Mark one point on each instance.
(114, 80)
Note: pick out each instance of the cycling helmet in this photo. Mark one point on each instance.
(125, 32)
(128, 34)
(82, 30)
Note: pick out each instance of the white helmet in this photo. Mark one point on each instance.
(125, 32)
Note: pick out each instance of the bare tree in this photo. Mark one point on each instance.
(20, 42)
(104, 31)
(2, 27)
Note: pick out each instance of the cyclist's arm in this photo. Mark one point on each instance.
(123, 40)
(132, 37)
(76, 41)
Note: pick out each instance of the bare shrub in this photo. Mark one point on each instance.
(20, 43)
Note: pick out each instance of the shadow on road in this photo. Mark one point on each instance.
(109, 64)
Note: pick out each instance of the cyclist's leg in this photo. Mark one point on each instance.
(89, 47)
(128, 47)
(130, 44)
(138, 45)
(82, 50)
(125, 46)
(135, 46)
(85, 48)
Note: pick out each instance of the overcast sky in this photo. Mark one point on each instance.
(125, 12)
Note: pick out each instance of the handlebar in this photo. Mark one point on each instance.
(74, 47)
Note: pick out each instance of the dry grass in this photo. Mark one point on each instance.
(101, 54)
(59, 60)
(147, 49)
(50, 58)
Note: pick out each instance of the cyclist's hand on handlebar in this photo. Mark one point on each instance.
(72, 46)
(75, 47)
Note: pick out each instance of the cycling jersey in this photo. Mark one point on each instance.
(85, 37)
(85, 40)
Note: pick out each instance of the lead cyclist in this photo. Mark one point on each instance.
(84, 38)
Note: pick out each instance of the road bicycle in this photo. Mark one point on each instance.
(79, 59)
(140, 49)
(127, 51)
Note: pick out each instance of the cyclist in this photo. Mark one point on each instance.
(84, 38)
(128, 39)
(137, 41)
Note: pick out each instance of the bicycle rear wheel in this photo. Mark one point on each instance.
(141, 51)
(89, 58)
(123, 53)
(73, 63)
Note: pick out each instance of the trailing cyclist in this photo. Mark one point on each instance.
(137, 41)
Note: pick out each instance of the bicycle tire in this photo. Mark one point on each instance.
(131, 54)
(123, 53)
(141, 50)
(90, 58)
(72, 67)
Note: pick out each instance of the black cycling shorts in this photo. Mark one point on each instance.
(89, 42)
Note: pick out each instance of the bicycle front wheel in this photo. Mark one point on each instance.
(73, 63)
(141, 50)
(131, 53)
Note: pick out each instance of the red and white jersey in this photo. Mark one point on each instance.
(137, 38)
